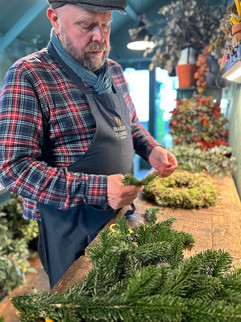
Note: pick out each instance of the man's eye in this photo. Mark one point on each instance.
(87, 28)
(106, 27)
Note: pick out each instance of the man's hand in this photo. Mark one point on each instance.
(120, 195)
(163, 161)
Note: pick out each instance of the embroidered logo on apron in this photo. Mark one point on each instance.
(120, 129)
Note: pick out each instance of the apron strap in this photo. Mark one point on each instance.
(130, 212)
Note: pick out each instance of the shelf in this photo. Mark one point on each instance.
(232, 69)
(187, 92)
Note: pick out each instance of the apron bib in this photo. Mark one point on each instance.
(64, 235)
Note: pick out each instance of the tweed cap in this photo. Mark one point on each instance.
(93, 5)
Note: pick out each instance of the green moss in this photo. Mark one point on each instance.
(182, 190)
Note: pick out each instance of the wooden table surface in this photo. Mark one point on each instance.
(216, 227)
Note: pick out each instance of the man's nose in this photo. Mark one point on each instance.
(98, 34)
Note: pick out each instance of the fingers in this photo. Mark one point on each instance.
(172, 159)
(118, 194)
(164, 170)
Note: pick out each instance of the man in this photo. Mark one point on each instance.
(67, 133)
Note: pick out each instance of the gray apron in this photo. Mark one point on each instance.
(64, 235)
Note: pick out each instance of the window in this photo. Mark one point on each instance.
(138, 84)
(154, 96)
(165, 102)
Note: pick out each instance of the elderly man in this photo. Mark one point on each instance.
(67, 133)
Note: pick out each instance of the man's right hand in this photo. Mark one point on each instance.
(120, 195)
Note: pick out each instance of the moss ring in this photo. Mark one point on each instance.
(182, 190)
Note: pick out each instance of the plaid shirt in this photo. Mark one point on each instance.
(46, 125)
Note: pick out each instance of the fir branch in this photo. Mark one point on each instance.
(149, 280)
(146, 281)
(123, 308)
(215, 264)
(231, 287)
(167, 222)
(152, 254)
(151, 214)
(130, 179)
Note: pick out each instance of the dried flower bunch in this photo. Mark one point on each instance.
(185, 23)
(202, 64)
(226, 23)
(198, 119)
(207, 68)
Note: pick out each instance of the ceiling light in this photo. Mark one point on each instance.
(141, 39)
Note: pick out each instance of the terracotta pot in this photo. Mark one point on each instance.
(236, 33)
(185, 74)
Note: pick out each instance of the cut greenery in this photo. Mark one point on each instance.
(143, 276)
(130, 179)
(215, 161)
(182, 190)
(15, 235)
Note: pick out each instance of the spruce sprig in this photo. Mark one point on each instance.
(151, 214)
(130, 179)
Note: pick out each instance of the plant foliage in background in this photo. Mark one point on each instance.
(215, 161)
(185, 23)
(10, 274)
(15, 234)
(21, 228)
(198, 119)
(143, 276)
(182, 190)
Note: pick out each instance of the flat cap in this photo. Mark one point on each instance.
(93, 5)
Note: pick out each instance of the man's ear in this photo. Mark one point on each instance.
(53, 16)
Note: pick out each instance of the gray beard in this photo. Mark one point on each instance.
(82, 59)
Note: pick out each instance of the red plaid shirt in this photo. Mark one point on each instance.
(46, 125)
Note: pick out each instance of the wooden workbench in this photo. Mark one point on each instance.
(216, 227)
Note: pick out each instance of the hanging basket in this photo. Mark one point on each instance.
(236, 33)
(185, 74)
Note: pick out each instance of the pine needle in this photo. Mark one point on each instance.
(130, 179)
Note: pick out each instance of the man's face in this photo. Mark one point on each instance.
(84, 35)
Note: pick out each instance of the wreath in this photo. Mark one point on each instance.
(182, 190)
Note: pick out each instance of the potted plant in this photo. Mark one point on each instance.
(184, 24)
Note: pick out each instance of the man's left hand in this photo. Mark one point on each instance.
(163, 161)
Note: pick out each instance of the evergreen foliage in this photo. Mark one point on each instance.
(141, 275)
(216, 161)
(15, 235)
(130, 179)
